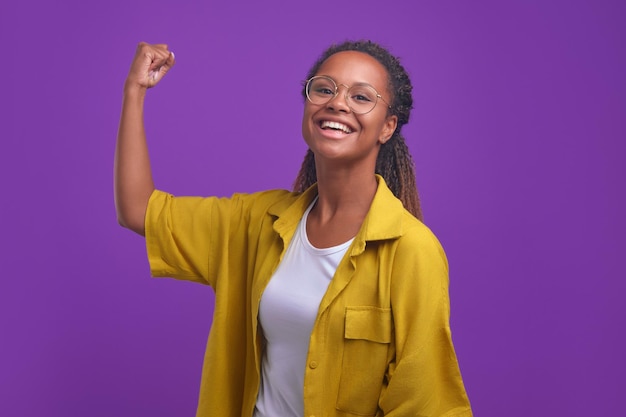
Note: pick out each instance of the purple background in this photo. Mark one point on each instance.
(518, 134)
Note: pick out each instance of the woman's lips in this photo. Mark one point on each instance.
(329, 124)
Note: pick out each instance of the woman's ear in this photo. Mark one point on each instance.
(388, 128)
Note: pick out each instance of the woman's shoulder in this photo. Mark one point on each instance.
(268, 196)
(417, 237)
(237, 204)
(267, 199)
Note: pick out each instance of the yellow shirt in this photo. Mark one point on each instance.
(381, 343)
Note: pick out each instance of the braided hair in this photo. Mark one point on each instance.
(394, 162)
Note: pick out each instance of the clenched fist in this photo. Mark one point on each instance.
(150, 64)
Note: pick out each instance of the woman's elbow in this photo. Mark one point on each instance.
(133, 223)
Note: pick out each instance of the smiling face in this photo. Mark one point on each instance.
(332, 130)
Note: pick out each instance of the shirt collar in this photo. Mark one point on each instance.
(383, 221)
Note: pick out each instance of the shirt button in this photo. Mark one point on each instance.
(313, 365)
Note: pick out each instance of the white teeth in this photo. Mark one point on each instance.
(335, 125)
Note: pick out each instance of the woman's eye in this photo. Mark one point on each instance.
(324, 91)
(360, 97)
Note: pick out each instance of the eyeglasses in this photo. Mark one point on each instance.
(361, 98)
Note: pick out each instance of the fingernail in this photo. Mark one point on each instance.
(172, 53)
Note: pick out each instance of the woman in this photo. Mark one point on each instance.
(331, 300)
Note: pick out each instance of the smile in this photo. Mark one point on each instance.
(325, 124)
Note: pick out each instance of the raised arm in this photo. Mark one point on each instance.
(133, 176)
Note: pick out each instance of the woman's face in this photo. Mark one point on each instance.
(332, 130)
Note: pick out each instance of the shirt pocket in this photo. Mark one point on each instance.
(367, 337)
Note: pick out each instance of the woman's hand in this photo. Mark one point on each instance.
(149, 66)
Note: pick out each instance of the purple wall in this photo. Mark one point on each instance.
(518, 132)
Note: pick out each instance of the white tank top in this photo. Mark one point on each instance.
(287, 314)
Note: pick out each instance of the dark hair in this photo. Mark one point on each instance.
(394, 162)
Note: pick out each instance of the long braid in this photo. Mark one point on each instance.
(307, 175)
(394, 162)
(396, 166)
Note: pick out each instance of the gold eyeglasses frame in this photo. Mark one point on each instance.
(347, 97)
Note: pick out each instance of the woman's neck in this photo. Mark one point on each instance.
(343, 202)
(342, 188)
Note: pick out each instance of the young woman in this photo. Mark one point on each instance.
(331, 300)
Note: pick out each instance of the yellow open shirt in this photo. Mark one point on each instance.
(381, 343)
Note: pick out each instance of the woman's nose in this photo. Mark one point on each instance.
(340, 101)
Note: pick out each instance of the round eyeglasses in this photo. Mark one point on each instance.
(361, 97)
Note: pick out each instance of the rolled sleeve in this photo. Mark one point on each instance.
(178, 236)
